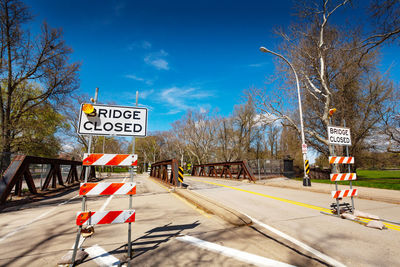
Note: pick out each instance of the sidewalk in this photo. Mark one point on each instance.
(383, 195)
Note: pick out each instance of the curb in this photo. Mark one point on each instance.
(231, 216)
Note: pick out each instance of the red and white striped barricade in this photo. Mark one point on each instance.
(336, 177)
(106, 189)
(105, 217)
(344, 193)
(110, 159)
(341, 160)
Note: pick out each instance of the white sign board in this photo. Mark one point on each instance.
(113, 120)
(304, 148)
(339, 136)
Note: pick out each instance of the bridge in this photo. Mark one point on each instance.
(225, 217)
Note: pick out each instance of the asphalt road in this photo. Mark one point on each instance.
(168, 231)
(297, 213)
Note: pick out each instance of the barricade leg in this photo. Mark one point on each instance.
(78, 236)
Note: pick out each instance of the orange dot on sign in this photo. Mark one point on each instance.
(88, 108)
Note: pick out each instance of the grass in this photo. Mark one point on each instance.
(384, 179)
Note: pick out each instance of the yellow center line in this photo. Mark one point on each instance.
(182, 199)
(388, 225)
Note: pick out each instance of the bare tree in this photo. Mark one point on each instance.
(272, 140)
(244, 121)
(70, 110)
(197, 131)
(23, 60)
(336, 68)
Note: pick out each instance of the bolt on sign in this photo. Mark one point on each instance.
(339, 136)
(114, 121)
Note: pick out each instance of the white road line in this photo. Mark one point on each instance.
(322, 256)
(18, 229)
(233, 253)
(102, 257)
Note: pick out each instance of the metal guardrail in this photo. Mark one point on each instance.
(224, 169)
(166, 171)
(18, 171)
(270, 168)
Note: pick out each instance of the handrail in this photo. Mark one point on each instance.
(18, 170)
(211, 170)
(160, 169)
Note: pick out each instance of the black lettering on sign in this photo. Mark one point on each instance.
(136, 115)
(118, 127)
(127, 127)
(137, 128)
(103, 112)
(127, 114)
(108, 126)
(117, 114)
(86, 125)
(95, 127)
(93, 114)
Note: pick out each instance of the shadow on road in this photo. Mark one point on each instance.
(152, 239)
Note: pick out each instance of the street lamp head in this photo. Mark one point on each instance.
(263, 49)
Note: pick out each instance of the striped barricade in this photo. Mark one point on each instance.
(180, 174)
(341, 160)
(105, 217)
(307, 166)
(110, 159)
(344, 193)
(105, 189)
(335, 177)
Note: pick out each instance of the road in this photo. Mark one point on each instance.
(168, 231)
(297, 213)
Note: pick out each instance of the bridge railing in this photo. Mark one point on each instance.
(19, 172)
(233, 170)
(166, 171)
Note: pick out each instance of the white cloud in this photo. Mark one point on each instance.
(181, 99)
(159, 63)
(266, 118)
(67, 148)
(146, 45)
(134, 77)
(157, 60)
(140, 44)
(257, 65)
(145, 93)
(140, 79)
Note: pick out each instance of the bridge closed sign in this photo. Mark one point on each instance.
(339, 136)
(113, 121)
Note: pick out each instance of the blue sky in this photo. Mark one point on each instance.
(177, 54)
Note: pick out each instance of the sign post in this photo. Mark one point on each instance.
(341, 136)
(304, 148)
(110, 120)
(131, 179)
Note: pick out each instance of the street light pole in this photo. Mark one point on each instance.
(306, 179)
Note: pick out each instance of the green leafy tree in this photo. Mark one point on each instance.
(43, 59)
